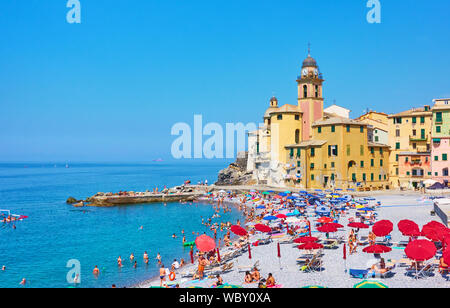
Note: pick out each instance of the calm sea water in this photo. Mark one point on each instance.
(55, 232)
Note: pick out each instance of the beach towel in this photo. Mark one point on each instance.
(361, 274)
(278, 286)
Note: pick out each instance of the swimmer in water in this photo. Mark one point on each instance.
(131, 257)
(23, 282)
(174, 236)
(3, 268)
(96, 271)
(119, 261)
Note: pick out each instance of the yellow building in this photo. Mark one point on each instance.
(379, 126)
(410, 140)
(301, 146)
(338, 156)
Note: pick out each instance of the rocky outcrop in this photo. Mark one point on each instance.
(236, 173)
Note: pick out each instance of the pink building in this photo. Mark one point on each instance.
(440, 150)
(416, 166)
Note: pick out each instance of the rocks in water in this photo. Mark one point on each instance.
(236, 173)
(79, 204)
(71, 200)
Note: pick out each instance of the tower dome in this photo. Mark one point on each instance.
(309, 62)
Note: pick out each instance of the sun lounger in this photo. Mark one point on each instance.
(364, 274)
(314, 265)
(248, 267)
(330, 244)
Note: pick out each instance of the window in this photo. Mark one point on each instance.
(422, 120)
(381, 151)
(436, 158)
(422, 134)
(371, 177)
(396, 157)
(397, 146)
(297, 136)
(361, 129)
(312, 177)
(445, 172)
(397, 133)
(397, 120)
(414, 120)
(298, 164)
(377, 139)
(332, 176)
(381, 163)
(354, 177)
(348, 128)
(438, 129)
(438, 117)
(348, 149)
(364, 177)
(291, 154)
(361, 150)
(317, 91)
(305, 91)
(372, 163)
(379, 177)
(257, 147)
(319, 130)
(414, 132)
(280, 117)
(362, 164)
(414, 145)
(372, 150)
(396, 171)
(406, 159)
(332, 150)
(325, 166)
(444, 157)
(298, 153)
(408, 173)
(297, 117)
(332, 164)
(333, 128)
(313, 152)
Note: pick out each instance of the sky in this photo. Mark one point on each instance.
(112, 87)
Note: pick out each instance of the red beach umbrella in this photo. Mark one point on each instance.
(263, 228)
(310, 246)
(238, 230)
(358, 225)
(249, 252)
(327, 229)
(407, 225)
(281, 216)
(325, 220)
(382, 228)
(377, 249)
(435, 225)
(431, 234)
(446, 256)
(205, 243)
(420, 250)
(306, 239)
(412, 233)
(338, 226)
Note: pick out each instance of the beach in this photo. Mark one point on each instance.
(394, 207)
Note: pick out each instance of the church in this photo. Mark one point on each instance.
(305, 146)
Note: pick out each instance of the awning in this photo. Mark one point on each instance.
(436, 140)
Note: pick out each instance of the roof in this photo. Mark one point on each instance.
(441, 107)
(338, 121)
(370, 112)
(286, 109)
(309, 62)
(340, 107)
(411, 112)
(375, 144)
(308, 143)
(415, 153)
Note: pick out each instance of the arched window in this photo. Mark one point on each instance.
(317, 91)
(297, 136)
(305, 91)
(445, 172)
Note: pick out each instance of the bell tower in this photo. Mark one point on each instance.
(310, 99)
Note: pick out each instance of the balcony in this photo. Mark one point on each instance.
(417, 138)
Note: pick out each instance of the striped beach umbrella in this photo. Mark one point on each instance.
(370, 284)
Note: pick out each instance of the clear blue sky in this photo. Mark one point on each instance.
(111, 88)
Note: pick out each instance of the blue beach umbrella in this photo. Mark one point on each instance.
(291, 198)
(323, 210)
(282, 194)
(270, 218)
(366, 209)
(260, 207)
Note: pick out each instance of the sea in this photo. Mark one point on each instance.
(57, 239)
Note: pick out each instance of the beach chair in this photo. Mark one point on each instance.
(314, 265)
(426, 270)
(247, 268)
(331, 244)
(188, 274)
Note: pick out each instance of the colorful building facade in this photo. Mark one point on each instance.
(440, 148)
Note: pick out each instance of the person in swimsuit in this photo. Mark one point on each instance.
(201, 267)
(96, 271)
(270, 281)
(162, 274)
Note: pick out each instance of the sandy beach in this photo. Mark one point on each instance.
(286, 271)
